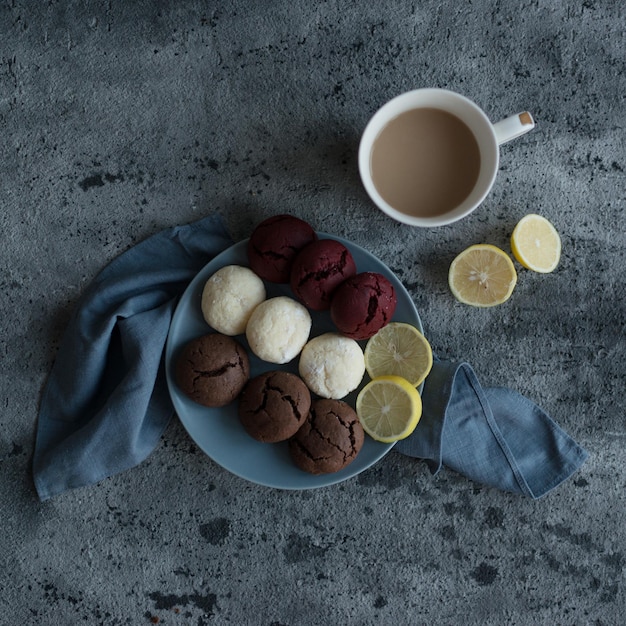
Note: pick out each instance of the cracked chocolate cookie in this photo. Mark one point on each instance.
(212, 369)
(273, 406)
(329, 439)
(318, 269)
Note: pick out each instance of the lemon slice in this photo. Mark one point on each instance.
(536, 244)
(399, 349)
(389, 408)
(482, 275)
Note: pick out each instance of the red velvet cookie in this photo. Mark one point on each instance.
(274, 243)
(362, 305)
(318, 269)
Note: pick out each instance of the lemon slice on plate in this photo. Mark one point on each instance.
(399, 349)
(536, 244)
(482, 275)
(389, 408)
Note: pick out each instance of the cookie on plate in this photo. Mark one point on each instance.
(318, 269)
(332, 365)
(330, 438)
(274, 244)
(278, 329)
(212, 369)
(273, 406)
(363, 304)
(229, 297)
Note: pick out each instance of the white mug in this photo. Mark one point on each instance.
(487, 135)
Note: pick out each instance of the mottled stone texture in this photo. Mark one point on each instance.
(122, 118)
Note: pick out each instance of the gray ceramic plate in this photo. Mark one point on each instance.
(217, 432)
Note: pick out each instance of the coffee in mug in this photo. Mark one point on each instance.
(425, 162)
(430, 156)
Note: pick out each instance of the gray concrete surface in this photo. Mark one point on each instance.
(120, 119)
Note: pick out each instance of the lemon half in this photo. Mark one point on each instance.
(536, 244)
(482, 275)
(399, 349)
(389, 408)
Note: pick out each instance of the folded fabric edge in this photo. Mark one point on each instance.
(495, 429)
(44, 492)
(572, 455)
(576, 457)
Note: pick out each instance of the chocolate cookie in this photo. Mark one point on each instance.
(329, 439)
(273, 406)
(212, 369)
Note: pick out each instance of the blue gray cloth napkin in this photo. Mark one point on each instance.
(106, 403)
(495, 436)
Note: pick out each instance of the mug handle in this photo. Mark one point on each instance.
(513, 126)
